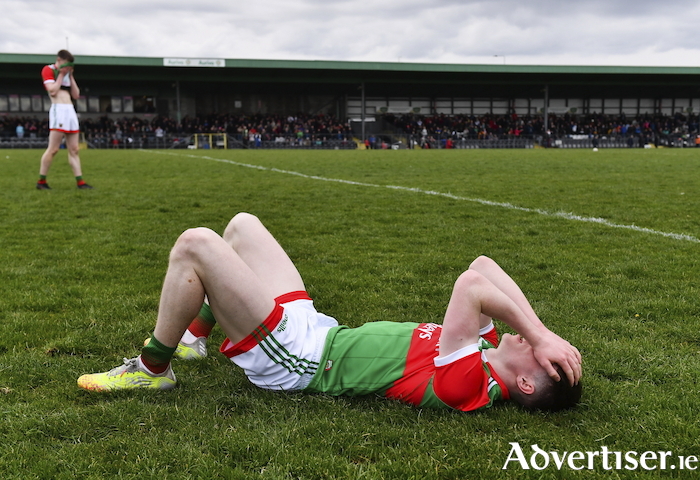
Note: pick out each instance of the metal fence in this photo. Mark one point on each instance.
(328, 142)
(495, 143)
(296, 141)
(101, 141)
(14, 142)
(625, 142)
(111, 141)
(384, 141)
(306, 145)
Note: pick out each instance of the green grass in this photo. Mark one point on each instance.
(80, 275)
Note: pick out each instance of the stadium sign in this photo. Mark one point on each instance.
(194, 62)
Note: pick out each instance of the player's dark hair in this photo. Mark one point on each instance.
(65, 55)
(549, 395)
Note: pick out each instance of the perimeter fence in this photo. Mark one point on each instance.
(384, 140)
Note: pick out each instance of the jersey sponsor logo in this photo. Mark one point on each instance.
(427, 330)
(283, 324)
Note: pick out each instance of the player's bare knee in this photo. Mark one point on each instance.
(238, 225)
(482, 261)
(469, 279)
(191, 242)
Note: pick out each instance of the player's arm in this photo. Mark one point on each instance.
(52, 87)
(495, 274)
(570, 357)
(475, 295)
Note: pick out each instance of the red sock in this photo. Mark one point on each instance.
(200, 327)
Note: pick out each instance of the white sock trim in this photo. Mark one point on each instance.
(143, 366)
(188, 337)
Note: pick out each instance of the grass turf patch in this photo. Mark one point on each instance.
(82, 271)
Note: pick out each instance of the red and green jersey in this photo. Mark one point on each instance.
(399, 361)
(49, 74)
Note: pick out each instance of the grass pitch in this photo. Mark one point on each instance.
(81, 274)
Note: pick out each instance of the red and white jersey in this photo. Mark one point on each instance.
(49, 74)
(399, 360)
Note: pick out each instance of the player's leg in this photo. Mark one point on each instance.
(73, 147)
(257, 247)
(201, 261)
(55, 138)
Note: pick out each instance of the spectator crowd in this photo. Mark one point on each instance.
(249, 129)
(441, 130)
(427, 131)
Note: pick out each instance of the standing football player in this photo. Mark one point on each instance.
(63, 121)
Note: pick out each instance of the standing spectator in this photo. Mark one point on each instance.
(20, 130)
(63, 121)
(160, 134)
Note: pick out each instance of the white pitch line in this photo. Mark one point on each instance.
(509, 206)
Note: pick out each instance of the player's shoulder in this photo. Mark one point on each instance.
(47, 72)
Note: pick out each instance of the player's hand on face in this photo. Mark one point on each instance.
(553, 349)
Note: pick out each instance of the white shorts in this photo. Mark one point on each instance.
(62, 117)
(284, 351)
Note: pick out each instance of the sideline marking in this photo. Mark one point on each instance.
(509, 206)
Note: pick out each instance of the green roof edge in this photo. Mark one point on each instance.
(26, 58)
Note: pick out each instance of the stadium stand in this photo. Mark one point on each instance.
(153, 102)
